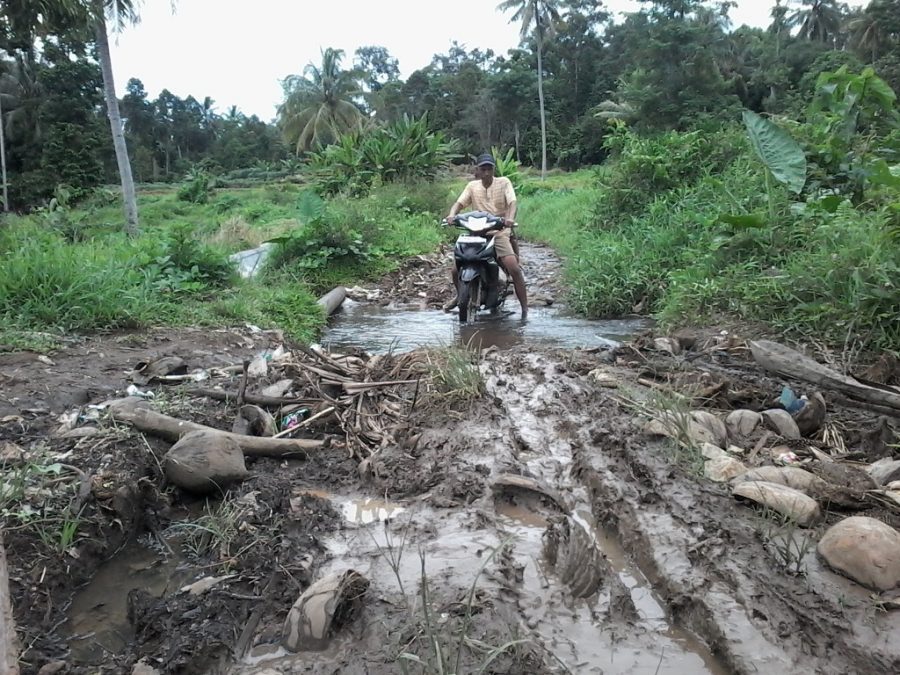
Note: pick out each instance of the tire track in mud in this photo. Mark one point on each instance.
(624, 628)
(699, 552)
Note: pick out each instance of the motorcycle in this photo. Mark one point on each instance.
(482, 284)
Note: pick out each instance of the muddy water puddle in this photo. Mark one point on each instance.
(98, 617)
(380, 329)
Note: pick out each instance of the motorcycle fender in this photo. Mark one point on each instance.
(468, 273)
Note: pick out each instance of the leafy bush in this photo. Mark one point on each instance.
(196, 188)
(648, 166)
(403, 151)
(677, 228)
(346, 240)
(186, 265)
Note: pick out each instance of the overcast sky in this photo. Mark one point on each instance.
(237, 52)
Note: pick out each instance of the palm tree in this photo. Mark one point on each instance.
(122, 13)
(318, 106)
(820, 22)
(541, 14)
(3, 157)
(867, 33)
(779, 26)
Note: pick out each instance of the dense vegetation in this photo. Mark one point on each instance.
(684, 216)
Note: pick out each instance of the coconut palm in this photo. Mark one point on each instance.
(318, 106)
(820, 22)
(537, 15)
(21, 94)
(3, 156)
(121, 13)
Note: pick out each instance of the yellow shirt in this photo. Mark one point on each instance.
(494, 199)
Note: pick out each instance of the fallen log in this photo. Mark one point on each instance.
(783, 360)
(256, 399)
(9, 641)
(135, 413)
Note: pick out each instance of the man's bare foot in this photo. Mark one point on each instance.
(524, 312)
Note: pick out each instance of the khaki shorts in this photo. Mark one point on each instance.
(502, 245)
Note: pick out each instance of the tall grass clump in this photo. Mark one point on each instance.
(47, 283)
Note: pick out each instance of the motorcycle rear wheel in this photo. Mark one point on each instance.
(467, 299)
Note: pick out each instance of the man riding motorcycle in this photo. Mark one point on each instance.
(496, 196)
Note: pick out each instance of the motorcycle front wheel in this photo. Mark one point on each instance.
(467, 299)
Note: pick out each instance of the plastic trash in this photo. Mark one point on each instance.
(789, 400)
(292, 420)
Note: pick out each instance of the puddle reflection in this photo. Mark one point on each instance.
(380, 329)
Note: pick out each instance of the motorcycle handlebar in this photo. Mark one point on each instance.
(503, 222)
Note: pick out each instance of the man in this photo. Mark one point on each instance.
(496, 196)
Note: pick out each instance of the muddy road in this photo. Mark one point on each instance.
(506, 509)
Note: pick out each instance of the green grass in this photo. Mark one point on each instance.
(813, 274)
(72, 271)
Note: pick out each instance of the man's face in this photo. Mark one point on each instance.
(484, 171)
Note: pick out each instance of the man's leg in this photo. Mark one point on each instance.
(451, 303)
(512, 267)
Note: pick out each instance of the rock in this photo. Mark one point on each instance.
(878, 441)
(894, 485)
(742, 423)
(710, 451)
(715, 426)
(603, 379)
(686, 337)
(52, 668)
(844, 475)
(278, 389)
(811, 416)
(781, 422)
(204, 461)
(884, 471)
(679, 425)
(11, 453)
(143, 668)
(723, 469)
(791, 476)
(258, 366)
(252, 420)
(787, 501)
(322, 610)
(864, 549)
(668, 345)
(147, 371)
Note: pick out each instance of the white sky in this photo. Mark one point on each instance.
(237, 52)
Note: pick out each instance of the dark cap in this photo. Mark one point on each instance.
(485, 159)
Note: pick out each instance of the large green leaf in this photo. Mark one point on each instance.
(743, 220)
(778, 151)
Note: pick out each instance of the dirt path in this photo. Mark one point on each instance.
(520, 517)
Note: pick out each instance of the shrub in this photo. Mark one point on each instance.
(186, 265)
(403, 151)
